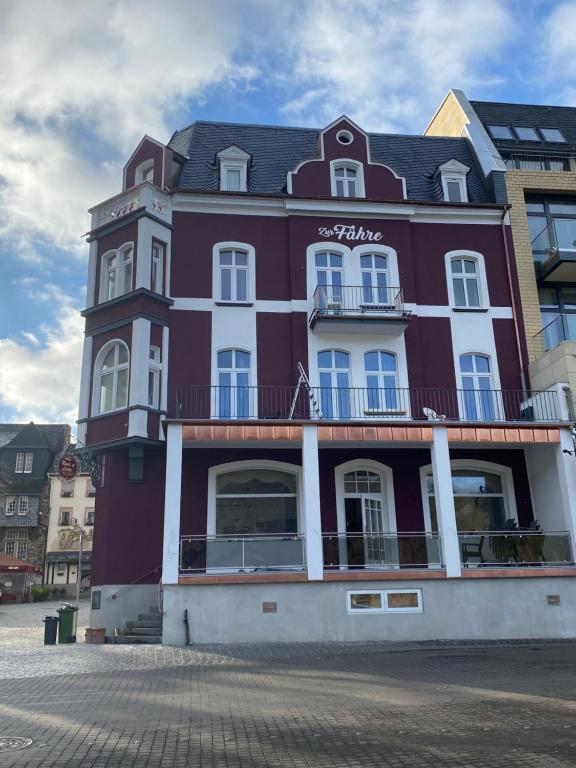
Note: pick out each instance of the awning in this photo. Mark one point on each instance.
(13, 565)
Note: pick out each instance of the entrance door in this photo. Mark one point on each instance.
(368, 543)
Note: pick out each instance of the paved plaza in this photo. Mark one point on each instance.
(420, 705)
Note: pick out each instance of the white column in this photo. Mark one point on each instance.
(444, 496)
(311, 496)
(91, 299)
(172, 497)
(566, 464)
(85, 379)
(144, 254)
(139, 361)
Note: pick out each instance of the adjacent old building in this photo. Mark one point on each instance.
(535, 147)
(71, 516)
(306, 375)
(27, 453)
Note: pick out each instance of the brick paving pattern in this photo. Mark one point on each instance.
(466, 705)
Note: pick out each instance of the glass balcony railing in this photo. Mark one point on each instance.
(561, 328)
(520, 548)
(381, 551)
(241, 554)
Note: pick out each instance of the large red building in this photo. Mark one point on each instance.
(305, 372)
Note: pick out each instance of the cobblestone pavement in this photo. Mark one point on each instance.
(470, 706)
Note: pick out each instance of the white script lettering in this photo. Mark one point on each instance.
(350, 232)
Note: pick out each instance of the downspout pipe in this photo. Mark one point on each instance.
(511, 275)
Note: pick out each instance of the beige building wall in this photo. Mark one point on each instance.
(518, 184)
(449, 120)
(63, 538)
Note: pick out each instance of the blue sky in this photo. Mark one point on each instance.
(75, 100)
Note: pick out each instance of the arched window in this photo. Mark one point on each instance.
(334, 373)
(346, 180)
(465, 282)
(233, 271)
(480, 499)
(381, 381)
(233, 384)
(256, 501)
(111, 377)
(116, 273)
(374, 268)
(329, 268)
(478, 395)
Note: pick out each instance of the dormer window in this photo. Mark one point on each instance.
(144, 172)
(233, 169)
(453, 175)
(347, 179)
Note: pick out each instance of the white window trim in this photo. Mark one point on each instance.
(233, 159)
(483, 293)
(456, 171)
(311, 252)
(97, 372)
(386, 477)
(27, 509)
(155, 367)
(504, 472)
(494, 372)
(252, 394)
(461, 181)
(161, 260)
(221, 469)
(19, 465)
(119, 253)
(28, 463)
(8, 500)
(141, 170)
(378, 250)
(358, 167)
(251, 282)
(384, 601)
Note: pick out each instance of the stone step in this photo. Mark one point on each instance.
(156, 610)
(138, 639)
(148, 623)
(149, 616)
(139, 630)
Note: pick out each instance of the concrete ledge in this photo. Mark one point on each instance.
(518, 573)
(400, 574)
(243, 578)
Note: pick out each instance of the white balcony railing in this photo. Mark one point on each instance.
(145, 196)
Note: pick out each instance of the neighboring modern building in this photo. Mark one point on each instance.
(71, 512)
(536, 147)
(27, 453)
(305, 374)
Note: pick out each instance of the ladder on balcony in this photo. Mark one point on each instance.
(303, 381)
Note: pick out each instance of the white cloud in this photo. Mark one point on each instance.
(388, 63)
(558, 54)
(40, 375)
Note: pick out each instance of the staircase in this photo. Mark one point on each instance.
(147, 629)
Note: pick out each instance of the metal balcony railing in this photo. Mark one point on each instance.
(241, 554)
(365, 404)
(381, 551)
(537, 163)
(357, 301)
(520, 548)
(561, 328)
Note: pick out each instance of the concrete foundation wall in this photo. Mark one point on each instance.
(119, 602)
(453, 609)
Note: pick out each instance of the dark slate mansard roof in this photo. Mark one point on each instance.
(276, 150)
(530, 116)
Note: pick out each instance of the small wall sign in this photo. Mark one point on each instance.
(350, 232)
(68, 466)
(270, 607)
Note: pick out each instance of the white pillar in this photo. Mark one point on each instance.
(91, 298)
(139, 363)
(566, 464)
(311, 496)
(144, 256)
(172, 497)
(444, 496)
(85, 381)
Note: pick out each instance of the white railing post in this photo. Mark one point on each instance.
(444, 497)
(566, 465)
(172, 497)
(311, 496)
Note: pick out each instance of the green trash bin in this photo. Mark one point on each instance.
(66, 630)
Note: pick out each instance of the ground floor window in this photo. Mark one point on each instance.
(479, 500)
(256, 501)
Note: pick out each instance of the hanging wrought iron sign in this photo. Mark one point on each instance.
(68, 466)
